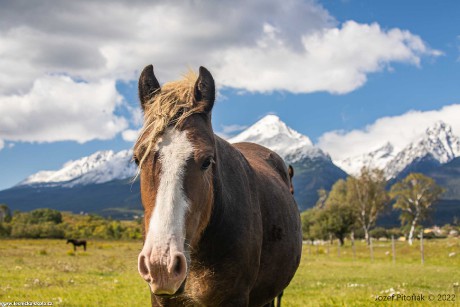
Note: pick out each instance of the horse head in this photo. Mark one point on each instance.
(175, 153)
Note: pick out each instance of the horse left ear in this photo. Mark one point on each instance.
(291, 171)
(205, 91)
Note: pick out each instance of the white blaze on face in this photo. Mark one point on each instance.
(168, 218)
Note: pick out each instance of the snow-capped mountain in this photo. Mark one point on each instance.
(437, 143)
(378, 158)
(100, 167)
(105, 166)
(273, 133)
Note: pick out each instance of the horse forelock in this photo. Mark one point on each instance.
(170, 106)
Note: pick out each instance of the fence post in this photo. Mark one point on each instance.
(371, 248)
(393, 251)
(353, 247)
(421, 247)
(338, 248)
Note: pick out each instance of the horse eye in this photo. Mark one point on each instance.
(206, 163)
(136, 160)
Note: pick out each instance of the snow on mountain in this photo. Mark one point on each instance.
(100, 167)
(273, 133)
(437, 142)
(378, 158)
(104, 166)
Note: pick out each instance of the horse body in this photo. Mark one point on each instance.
(241, 234)
(76, 243)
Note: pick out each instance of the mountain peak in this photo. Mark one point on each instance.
(439, 127)
(438, 143)
(272, 132)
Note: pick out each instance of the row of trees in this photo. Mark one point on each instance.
(356, 203)
(49, 223)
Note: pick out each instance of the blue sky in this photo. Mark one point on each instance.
(348, 74)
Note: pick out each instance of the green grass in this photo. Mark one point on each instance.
(329, 280)
(106, 275)
(49, 270)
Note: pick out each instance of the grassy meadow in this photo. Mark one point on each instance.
(106, 275)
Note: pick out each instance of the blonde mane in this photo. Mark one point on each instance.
(170, 106)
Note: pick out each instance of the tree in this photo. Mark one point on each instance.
(308, 218)
(336, 216)
(5, 213)
(367, 197)
(415, 196)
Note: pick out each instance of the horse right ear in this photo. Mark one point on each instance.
(148, 86)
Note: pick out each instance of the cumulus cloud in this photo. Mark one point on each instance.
(398, 130)
(258, 46)
(94, 39)
(130, 135)
(58, 108)
(336, 60)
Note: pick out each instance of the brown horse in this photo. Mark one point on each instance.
(221, 226)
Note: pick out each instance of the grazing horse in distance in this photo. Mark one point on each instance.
(76, 243)
(221, 226)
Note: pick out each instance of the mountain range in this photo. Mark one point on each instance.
(437, 144)
(103, 182)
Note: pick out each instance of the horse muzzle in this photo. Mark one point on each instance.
(165, 272)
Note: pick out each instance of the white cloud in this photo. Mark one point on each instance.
(57, 108)
(261, 45)
(336, 60)
(227, 131)
(130, 135)
(399, 130)
(97, 39)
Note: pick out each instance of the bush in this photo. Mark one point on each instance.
(5, 230)
(379, 232)
(35, 231)
(48, 223)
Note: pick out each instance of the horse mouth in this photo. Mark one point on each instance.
(178, 292)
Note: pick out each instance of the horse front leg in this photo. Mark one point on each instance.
(279, 299)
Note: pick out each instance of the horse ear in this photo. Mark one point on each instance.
(148, 86)
(291, 171)
(205, 91)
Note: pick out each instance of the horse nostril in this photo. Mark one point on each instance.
(143, 268)
(178, 266)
